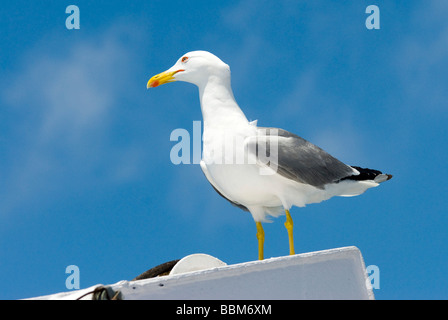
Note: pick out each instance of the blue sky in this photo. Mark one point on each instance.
(85, 173)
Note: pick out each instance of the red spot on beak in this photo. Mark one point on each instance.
(154, 84)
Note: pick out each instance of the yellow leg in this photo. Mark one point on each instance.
(260, 237)
(289, 226)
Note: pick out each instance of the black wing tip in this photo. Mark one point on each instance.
(368, 174)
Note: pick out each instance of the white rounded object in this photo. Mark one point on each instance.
(196, 262)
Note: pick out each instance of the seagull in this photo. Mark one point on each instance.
(262, 170)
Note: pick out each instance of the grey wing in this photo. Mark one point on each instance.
(298, 159)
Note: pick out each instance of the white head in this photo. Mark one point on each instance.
(195, 67)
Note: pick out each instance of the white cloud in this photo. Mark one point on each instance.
(63, 99)
(73, 92)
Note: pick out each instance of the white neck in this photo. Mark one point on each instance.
(219, 108)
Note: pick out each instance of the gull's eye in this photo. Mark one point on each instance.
(184, 59)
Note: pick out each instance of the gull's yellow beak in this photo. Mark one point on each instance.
(162, 78)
